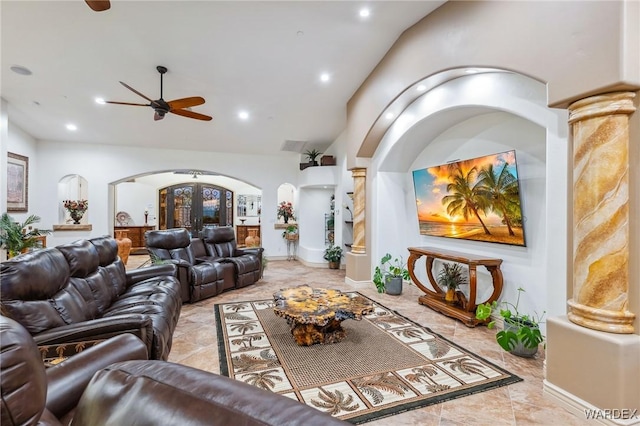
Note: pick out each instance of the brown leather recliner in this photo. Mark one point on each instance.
(81, 292)
(199, 278)
(31, 394)
(131, 392)
(221, 242)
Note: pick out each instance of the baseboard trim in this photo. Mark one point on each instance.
(580, 407)
(353, 282)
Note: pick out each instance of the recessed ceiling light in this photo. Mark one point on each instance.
(243, 115)
(471, 71)
(389, 115)
(364, 12)
(100, 101)
(421, 88)
(72, 127)
(19, 69)
(325, 77)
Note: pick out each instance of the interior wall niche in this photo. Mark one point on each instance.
(72, 187)
(287, 194)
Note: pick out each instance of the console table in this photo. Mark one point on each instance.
(466, 309)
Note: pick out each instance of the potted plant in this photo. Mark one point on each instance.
(450, 278)
(333, 254)
(312, 155)
(290, 233)
(19, 237)
(521, 334)
(389, 275)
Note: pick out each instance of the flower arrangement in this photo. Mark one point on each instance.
(76, 209)
(285, 210)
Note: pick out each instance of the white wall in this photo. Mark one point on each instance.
(471, 117)
(104, 166)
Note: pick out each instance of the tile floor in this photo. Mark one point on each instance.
(195, 344)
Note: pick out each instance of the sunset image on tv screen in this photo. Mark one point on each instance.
(476, 199)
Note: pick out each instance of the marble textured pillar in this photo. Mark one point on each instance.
(600, 127)
(359, 201)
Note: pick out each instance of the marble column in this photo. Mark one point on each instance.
(359, 197)
(600, 128)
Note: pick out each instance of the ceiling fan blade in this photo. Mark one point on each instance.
(125, 103)
(191, 114)
(157, 116)
(135, 91)
(186, 102)
(98, 5)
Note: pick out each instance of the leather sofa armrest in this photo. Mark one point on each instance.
(68, 380)
(176, 394)
(254, 250)
(142, 274)
(99, 329)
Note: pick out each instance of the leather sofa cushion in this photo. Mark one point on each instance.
(172, 394)
(24, 382)
(81, 256)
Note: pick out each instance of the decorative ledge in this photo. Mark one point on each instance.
(72, 227)
(284, 225)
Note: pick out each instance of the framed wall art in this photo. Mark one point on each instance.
(476, 199)
(17, 183)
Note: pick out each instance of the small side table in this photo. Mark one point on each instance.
(292, 246)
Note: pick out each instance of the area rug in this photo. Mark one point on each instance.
(387, 363)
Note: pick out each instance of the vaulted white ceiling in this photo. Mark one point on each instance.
(264, 57)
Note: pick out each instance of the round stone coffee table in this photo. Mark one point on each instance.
(315, 314)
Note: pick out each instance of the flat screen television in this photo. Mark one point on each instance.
(475, 199)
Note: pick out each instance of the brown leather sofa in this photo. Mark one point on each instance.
(200, 276)
(209, 265)
(131, 392)
(80, 292)
(220, 243)
(32, 395)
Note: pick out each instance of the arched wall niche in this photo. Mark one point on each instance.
(465, 118)
(72, 187)
(288, 193)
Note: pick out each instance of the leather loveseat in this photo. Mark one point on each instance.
(131, 392)
(80, 293)
(200, 275)
(209, 265)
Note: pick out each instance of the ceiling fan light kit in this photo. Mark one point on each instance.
(162, 107)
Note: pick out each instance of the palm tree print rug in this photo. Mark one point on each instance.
(387, 363)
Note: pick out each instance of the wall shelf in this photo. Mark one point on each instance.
(72, 227)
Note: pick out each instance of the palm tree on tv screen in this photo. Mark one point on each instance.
(465, 198)
(501, 192)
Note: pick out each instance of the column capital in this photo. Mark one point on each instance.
(359, 172)
(601, 105)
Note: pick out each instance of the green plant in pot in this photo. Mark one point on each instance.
(333, 255)
(450, 278)
(290, 233)
(521, 334)
(389, 275)
(312, 155)
(17, 237)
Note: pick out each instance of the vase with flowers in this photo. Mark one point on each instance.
(76, 209)
(285, 211)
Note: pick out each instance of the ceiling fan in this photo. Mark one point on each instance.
(162, 107)
(98, 5)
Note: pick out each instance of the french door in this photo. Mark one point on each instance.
(195, 206)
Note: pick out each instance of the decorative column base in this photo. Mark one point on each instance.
(591, 370)
(600, 319)
(358, 267)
